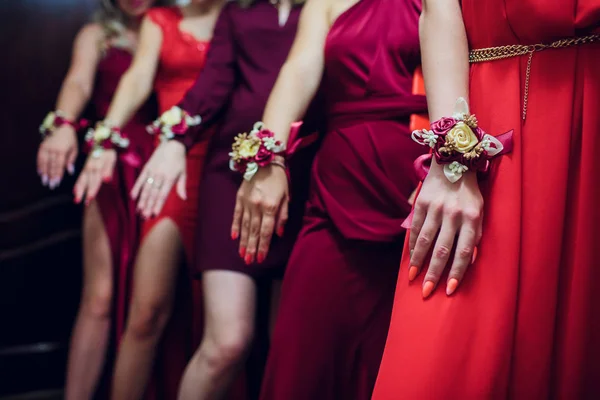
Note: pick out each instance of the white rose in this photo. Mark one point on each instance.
(172, 117)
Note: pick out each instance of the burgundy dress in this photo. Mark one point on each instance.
(247, 52)
(339, 285)
(118, 211)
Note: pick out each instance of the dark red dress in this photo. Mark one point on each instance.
(339, 285)
(118, 210)
(247, 52)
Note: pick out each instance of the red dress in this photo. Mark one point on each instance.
(525, 322)
(182, 58)
(339, 284)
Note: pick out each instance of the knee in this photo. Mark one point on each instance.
(147, 320)
(97, 302)
(226, 350)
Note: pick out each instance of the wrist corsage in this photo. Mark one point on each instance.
(55, 120)
(460, 145)
(105, 136)
(251, 151)
(173, 122)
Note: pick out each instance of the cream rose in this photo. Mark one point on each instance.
(172, 117)
(48, 123)
(101, 133)
(463, 137)
(249, 148)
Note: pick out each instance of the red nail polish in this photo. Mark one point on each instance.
(234, 235)
(280, 231)
(242, 252)
(248, 259)
(260, 257)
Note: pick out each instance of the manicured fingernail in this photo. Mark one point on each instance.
(234, 235)
(71, 169)
(107, 179)
(427, 289)
(474, 258)
(451, 286)
(260, 257)
(280, 231)
(412, 273)
(242, 252)
(44, 180)
(248, 259)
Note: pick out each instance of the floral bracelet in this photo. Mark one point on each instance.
(173, 122)
(460, 144)
(254, 150)
(105, 136)
(55, 120)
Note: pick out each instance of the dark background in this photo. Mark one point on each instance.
(40, 251)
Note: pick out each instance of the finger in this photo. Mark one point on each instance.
(139, 184)
(71, 158)
(236, 224)
(465, 248)
(154, 190)
(440, 256)
(162, 196)
(267, 226)
(181, 189)
(57, 165)
(419, 215)
(424, 241)
(245, 231)
(108, 170)
(93, 187)
(42, 162)
(144, 196)
(80, 185)
(254, 232)
(282, 218)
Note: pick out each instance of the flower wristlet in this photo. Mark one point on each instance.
(173, 122)
(105, 136)
(56, 119)
(460, 145)
(259, 148)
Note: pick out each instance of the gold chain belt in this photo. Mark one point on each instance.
(517, 50)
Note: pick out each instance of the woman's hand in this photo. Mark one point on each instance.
(452, 212)
(57, 152)
(96, 170)
(165, 168)
(261, 207)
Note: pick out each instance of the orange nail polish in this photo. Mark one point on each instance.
(412, 273)
(474, 256)
(248, 259)
(260, 257)
(427, 289)
(451, 286)
(242, 252)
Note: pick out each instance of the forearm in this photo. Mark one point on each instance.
(445, 56)
(294, 89)
(133, 90)
(73, 98)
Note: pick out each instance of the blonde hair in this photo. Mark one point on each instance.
(114, 23)
(248, 3)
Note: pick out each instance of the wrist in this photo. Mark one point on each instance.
(105, 136)
(173, 124)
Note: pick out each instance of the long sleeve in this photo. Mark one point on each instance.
(216, 82)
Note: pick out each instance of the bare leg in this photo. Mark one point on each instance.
(230, 304)
(155, 277)
(275, 297)
(91, 331)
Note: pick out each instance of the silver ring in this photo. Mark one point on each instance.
(150, 181)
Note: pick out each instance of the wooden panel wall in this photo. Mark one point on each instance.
(40, 251)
